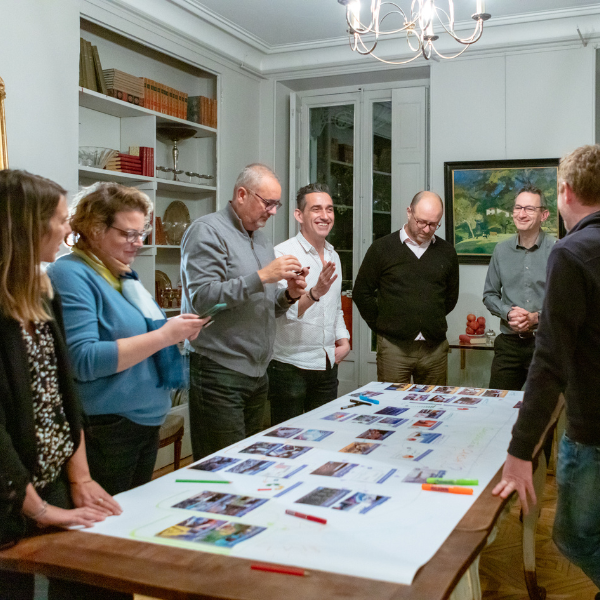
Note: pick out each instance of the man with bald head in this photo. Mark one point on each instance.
(406, 285)
(226, 259)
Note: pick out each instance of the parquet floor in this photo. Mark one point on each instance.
(501, 571)
(500, 568)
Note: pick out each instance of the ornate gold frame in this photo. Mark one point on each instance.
(3, 143)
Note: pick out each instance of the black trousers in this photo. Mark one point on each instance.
(512, 357)
(294, 391)
(20, 586)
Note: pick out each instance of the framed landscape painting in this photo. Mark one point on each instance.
(479, 199)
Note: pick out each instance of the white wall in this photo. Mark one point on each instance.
(39, 62)
(525, 105)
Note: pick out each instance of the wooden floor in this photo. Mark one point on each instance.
(501, 562)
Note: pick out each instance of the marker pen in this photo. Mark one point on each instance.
(430, 487)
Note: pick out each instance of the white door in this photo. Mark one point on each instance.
(369, 147)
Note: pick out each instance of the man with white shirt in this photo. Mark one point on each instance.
(406, 285)
(311, 338)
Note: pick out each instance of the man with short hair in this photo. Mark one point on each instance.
(566, 360)
(406, 285)
(226, 259)
(312, 338)
(514, 289)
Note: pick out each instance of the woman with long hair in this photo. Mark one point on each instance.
(44, 474)
(121, 345)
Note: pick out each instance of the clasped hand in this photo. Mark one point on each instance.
(521, 320)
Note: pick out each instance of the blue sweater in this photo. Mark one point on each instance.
(95, 316)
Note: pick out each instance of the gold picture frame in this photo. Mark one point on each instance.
(3, 143)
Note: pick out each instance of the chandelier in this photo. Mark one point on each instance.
(417, 24)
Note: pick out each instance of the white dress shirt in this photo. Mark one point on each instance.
(304, 341)
(418, 250)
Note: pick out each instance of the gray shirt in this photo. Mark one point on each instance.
(517, 277)
(220, 261)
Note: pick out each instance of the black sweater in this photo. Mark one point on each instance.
(400, 295)
(567, 346)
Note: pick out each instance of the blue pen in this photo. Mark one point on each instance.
(369, 400)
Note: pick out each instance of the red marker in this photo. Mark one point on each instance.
(300, 515)
(276, 569)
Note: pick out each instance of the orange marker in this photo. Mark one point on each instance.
(455, 489)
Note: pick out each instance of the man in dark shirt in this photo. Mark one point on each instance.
(567, 360)
(514, 289)
(406, 285)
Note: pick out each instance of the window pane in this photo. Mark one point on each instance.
(331, 161)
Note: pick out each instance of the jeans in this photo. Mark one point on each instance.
(225, 406)
(121, 454)
(293, 391)
(577, 522)
(512, 357)
(426, 362)
(20, 586)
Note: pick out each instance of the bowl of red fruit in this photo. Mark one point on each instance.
(475, 325)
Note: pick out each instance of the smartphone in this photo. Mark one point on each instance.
(211, 312)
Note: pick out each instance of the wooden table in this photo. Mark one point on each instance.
(177, 574)
(463, 350)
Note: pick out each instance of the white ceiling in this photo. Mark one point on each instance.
(278, 23)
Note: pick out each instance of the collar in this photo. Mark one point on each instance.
(308, 247)
(538, 241)
(235, 219)
(591, 219)
(405, 238)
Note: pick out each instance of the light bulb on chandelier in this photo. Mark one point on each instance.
(418, 25)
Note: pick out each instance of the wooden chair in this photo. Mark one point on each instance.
(171, 432)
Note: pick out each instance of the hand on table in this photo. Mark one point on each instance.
(90, 494)
(517, 474)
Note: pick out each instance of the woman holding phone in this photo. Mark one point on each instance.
(121, 346)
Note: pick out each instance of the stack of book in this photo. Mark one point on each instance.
(202, 110)
(125, 163)
(146, 156)
(124, 86)
(165, 99)
(90, 69)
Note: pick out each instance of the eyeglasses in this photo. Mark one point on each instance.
(421, 224)
(269, 204)
(528, 209)
(132, 235)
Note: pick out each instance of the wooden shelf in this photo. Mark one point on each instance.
(167, 247)
(119, 108)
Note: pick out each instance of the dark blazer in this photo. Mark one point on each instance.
(18, 450)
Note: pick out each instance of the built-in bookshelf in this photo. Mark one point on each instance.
(108, 122)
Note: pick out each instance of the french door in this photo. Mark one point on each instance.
(369, 147)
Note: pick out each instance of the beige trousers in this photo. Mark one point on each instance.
(426, 362)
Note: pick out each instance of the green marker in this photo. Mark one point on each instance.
(439, 481)
(200, 481)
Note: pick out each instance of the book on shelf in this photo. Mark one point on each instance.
(125, 96)
(86, 61)
(203, 110)
(100, 82)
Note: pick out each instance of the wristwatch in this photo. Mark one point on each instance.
(290, 299)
